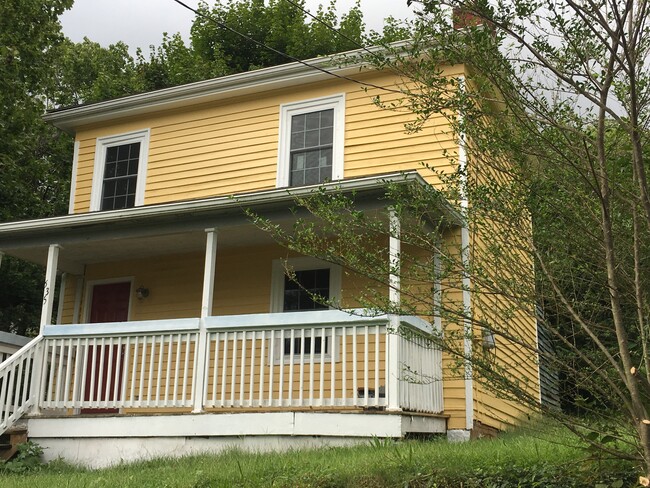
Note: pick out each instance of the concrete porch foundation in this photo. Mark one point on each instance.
(101, 441)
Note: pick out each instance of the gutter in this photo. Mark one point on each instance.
(281, 76)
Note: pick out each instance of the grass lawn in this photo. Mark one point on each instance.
(513, 460)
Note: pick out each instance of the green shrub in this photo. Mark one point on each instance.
(28, 458)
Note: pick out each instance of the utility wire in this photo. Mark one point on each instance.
(198, 13)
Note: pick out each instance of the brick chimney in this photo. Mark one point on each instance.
(464, 18)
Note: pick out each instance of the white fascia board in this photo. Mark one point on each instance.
(282, 76)
(225, 87)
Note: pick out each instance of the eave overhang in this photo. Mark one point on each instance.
(225, 87)
(165, 227)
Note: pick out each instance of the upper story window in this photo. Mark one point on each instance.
(311, 141)
(120, 171)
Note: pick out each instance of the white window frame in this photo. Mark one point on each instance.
(102, 144)
(73, 178)
(288, 110)
(301, 264)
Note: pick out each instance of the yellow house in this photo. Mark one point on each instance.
(177, 331)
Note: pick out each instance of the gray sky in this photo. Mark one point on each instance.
(140, 23)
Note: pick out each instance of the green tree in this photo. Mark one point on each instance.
(554, 109)
(34, 158)
(87, 72)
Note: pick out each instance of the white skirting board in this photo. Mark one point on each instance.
(104, 440)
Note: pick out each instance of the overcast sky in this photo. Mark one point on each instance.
(140, 23)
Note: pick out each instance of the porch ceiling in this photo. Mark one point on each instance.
(178, 227)
(75, 254)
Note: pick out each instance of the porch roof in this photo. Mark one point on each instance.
(178, 227)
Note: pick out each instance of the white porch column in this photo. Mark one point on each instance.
(206, 311)
(50, 283)
(38, 369)
(393, 338)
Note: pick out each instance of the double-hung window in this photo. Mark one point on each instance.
(120, 171)
(311, 141)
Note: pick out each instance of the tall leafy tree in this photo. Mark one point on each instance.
(34, 158)
(554, 111)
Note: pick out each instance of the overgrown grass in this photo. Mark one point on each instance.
(514, 460)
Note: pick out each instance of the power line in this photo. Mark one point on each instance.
(198, 13)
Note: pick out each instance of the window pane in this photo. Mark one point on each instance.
(123, 152)
(313, 120)
(298, 123)
(298, 293)
(326, 136)
(327, 118)
(312, 159)
(298, 140)
(111, 154)
(109, 170)
(120, 176)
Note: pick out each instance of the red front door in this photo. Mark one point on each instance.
(110, 303)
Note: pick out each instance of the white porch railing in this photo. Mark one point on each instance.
(320, 359)
(16, 388)
(119, 365)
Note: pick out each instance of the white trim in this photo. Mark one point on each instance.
(73, 178)
(50, 284)
(210, 265)
(207, 295)
(301, 264)
(393, 361)
(102, 144)
(217, 204)
(226, 87)
(437, 290)
(288, 110)
(88, 298)
(466, 282)
(122, 328)
(221, 425)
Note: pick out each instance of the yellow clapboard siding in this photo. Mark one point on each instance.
(233, 144)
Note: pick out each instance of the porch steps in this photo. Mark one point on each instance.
(10, 440)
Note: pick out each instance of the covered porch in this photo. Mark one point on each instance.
(229, 348)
